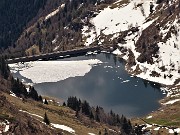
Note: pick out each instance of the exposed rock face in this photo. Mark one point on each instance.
(131, 59)
(147, 44)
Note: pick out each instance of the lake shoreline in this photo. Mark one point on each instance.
(118, 78)
(168, 104)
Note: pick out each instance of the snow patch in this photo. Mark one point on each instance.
(148, 125)
(13, 95)
(157, 128)
(63, 127)
(149, 117)
(31, 114)
(91, 134)
(54, 12)
(172, 131)
(172, 101)
(4, 126)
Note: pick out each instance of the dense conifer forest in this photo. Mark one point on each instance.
(15, 16)
(98, 114)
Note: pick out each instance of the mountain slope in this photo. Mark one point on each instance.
(15, 16)
(58, 27)
(149, 41)
(146, 33)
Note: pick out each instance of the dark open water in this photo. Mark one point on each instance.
(108, 85)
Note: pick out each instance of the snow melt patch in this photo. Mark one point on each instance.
(177, 130)
(172, 131)
(91, 134)
(157, 128)
(89, 35)
(13, 95)
(63, 127)
(4, 126)
(149, 117)
(31, 114)
(148, 125)
(54, 12)
(172, 101)
(54, 71)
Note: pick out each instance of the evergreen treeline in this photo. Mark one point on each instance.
(20, 90)
(4, 69)
(99, 115)
(17, 87)
(15, 14)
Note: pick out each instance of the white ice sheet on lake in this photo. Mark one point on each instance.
(53, 71)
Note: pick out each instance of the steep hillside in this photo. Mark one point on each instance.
(24, 112)
(144, 32)
(15, 16)
(147, 35)
(56, 27)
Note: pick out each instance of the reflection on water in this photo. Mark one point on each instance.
(107, 85)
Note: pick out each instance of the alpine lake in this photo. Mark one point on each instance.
(107, 85)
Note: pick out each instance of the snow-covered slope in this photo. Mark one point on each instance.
(112, 22)
(123, 17)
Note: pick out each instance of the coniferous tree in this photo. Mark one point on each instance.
(64, 104)
(91, 115)
(45, 101)
(46, 119)
(97, 114)
(40, 98)
(126, 125)
(4, 69)
(33, 94)
(105, 132)
(77, 113)
(86, 108)
(16, 86)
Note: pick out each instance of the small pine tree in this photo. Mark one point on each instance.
(45, 102)
(64, 104)
(46, 119)
(105, 132)
(33, 93)
(40, 98)
(97, 118)
(77, 113)
(91, 115)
